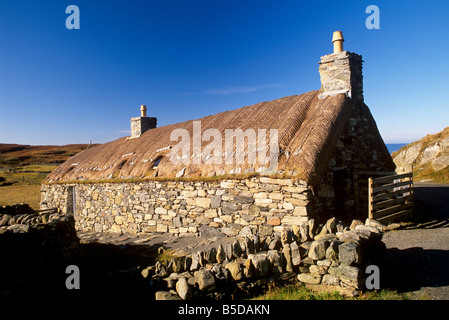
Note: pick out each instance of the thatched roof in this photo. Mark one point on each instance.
(308, 129)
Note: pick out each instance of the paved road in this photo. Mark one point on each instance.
(417, 259)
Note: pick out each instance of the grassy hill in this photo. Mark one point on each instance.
(429, 157)
(23, 167)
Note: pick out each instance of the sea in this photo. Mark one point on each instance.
(392, 147)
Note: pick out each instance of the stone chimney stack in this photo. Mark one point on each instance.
(341, 72)
(143, 123)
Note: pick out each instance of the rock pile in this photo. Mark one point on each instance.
(34, 246)
(23, 214)
(329, 254)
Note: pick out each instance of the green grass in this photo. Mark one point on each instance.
(300, 292)
(426, 172)
(19, 186)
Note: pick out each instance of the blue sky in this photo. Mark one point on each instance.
(188, 59)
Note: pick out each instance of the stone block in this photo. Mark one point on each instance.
(292, 220)
(236, 270)
(309, 278)
(274, 221)
(227, 185)
(260, 263)
(282, 182)
(349, 253)
(161, 228)
(331, 280)
(205, 280)
(296, 257)
(263, 202)
(203, 202)
(160, 210)
(215, 201)
(317, 250)
(228, 207)
(301, 211)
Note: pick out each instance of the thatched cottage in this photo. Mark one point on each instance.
(267, 166)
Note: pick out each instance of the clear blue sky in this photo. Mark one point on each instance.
(186, 59)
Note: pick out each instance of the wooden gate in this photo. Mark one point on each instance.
(390, 197)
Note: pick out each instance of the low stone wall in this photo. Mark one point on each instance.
(264, 204)
(331, 255)
(34, 246)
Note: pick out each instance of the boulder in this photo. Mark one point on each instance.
(165, 295)
(348, 274)
(160, 269)
(331, 225)
(376, 224)
(205, 280)
(317, 250)
(286, 236)
(236, 249)
(323, 232)
(349, 253)
(183, 289)
(288, 258)
(231, 230)
(304, 232)
(221, 254)
(277, 264)
(309, 278)
(196, 259)
(331, 280)
(246, 232)
(312, 228)
(296, 256)
(220, 273)
(236, 270)
(260, 263)
(210, 232)
(355, 223)
(275, 244)
(210, 255)
(332, 251)
(256, 241)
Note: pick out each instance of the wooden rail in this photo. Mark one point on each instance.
(390, 198)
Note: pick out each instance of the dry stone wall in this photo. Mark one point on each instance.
(330, 254)
(35, 248)
(266, 205)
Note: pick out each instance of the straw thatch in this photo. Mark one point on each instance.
(308, 129)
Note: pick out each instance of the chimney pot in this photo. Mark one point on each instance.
(143, 110)
(337, 40)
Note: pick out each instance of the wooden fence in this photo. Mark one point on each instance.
(390, 197)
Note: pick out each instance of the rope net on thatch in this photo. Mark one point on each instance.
(307, 129)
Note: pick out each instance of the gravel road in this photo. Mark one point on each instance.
(417, 259)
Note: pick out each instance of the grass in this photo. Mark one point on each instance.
(426, 172)
(23, 184)
(229, 176)
(240, 176)
(300, 292)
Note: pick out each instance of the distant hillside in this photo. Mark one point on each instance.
(13, 155)
(429, 156)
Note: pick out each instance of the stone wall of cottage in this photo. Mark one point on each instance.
(264, 204)
(343, 190)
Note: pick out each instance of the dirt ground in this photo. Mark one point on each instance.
(417, 258)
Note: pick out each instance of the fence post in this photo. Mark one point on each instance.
(370, 198)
